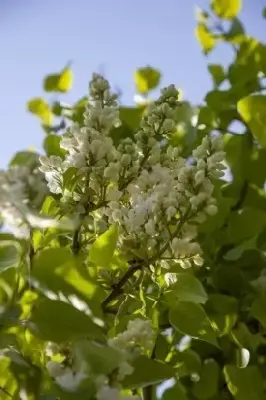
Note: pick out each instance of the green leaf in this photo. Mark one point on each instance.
(130, 118)
(175, 392)
(229, 278)
(244, 225)
(264, 12)
(57, 270)
(222, 304)
(252, 110)
(102, 250)
(41, 109)
(219, 100)
(188, 288)
(236, 32)
(101, 359)
(60, 322)
(52, 147)
(9, 255)
(258, 310)
(243, 338)
(237, 251)
(218, 74)
(207, 386)
(24, 158)
(146, 79)
(205, 38)
(7, 380)
(148, 372)
(244, 383)
(190, 319)
(227, 9)
(78, 110)
(61, 82)
(187, 362)
(49, 206)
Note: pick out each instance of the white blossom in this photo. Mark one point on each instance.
(21, 187)
(65, 377)
(143, 184)
(139, 333)
(112, 393)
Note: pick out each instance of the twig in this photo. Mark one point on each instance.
(75, 241)
(148, 391)
(2, 389)
(240, 201)
(117, 288)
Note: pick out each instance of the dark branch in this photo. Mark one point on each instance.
(243, 192)
(148, 391)
(75, 241)
(117, 288)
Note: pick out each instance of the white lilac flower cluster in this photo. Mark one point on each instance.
(170, 193)
(138, 338)
(88, 149)
(144, 186)
(21, 187)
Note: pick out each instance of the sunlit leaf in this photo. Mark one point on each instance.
(190, 318)
(227, 9)
(51, 145)
(60, 322)
(146, 79)
(41, 109)
(61, 82)
(205, 38)
(103, 248)
(9, 255)
(58, 271)
(252, 110)
(187, 288)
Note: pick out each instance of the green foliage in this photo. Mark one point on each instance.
(252, 110)
(244, 383)
(207, 386)
(61, 322)
(148, 372)
(187, 288)
(147, 79)
(227, 9)
(68, 293)
(175, 392)
(41, 109)
(205, 38)
(9, 255)
(218, 74)
(190, 319)
(102, 250)
(61, 82)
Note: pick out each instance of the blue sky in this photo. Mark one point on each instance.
(116, 36)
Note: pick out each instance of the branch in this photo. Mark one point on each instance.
(75, 241)
(76, 245)
(117, 288)
(2, 389)
(148, 391)
(242, 197)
